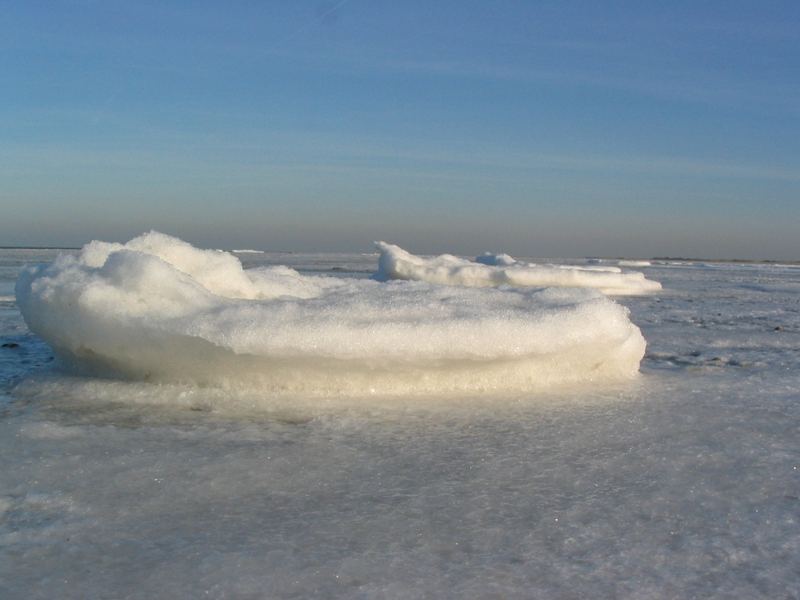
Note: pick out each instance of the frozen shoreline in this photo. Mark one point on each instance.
(681, 482)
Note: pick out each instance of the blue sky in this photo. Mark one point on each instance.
(535, 128)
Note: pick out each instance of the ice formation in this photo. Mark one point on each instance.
(158, 308)
(501, 269)
(495, 260)
(505, 260)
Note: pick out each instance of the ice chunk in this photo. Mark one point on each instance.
(159, 309)
(505, 260)
(487, 258)
(495, 270)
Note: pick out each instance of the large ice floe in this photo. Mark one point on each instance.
(490, 270)
(159, 309)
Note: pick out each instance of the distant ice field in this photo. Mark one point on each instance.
(681, 482)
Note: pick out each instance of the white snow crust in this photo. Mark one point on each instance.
(160, 309)
(501, 269)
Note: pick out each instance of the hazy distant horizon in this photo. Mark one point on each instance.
(370, 248)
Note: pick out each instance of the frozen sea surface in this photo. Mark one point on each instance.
(684, 483)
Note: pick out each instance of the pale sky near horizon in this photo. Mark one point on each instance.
(534, 128)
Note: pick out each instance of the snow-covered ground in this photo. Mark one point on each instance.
(681, 482)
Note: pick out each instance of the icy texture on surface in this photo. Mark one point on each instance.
(682, 483)
(505, 260)
(501, 269)
(159, 309)
(493, 260)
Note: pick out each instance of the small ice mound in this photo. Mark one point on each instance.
(505, 260)
(216, 271)
(151, 310)
(396, 263)
(494, 260)
(634, 263)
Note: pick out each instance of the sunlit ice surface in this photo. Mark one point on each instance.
(159, 309)
(681, 482)
(488, 270)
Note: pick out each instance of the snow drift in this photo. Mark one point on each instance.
(160, 309)
(501, 269)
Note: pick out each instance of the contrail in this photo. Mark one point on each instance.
(305, 27)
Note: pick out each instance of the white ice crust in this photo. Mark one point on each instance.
(634, 263)
(160, 309)
(491, 270)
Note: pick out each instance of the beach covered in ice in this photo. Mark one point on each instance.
(683, 482)
(159, 309)
(490, 270)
